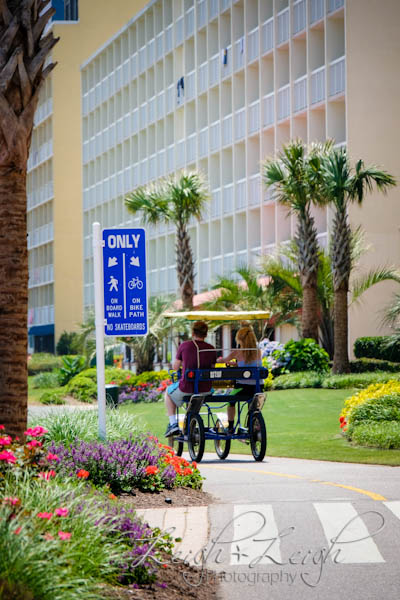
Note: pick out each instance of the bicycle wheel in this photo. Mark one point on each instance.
(177, 446)
(258, 436)
(222, 447)
(196, 439)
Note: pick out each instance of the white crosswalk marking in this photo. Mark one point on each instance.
(394, 506)
(340, 519)
(254, 522)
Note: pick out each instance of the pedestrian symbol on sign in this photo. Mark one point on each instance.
(113, 283)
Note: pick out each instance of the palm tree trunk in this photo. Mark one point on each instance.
(341, 353)
(309, 320)
(13, 301)
(185, 266)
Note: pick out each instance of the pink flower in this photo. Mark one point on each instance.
(11, 500)
(2, 428)
(33, 443)
(5, 441)
(47, 536)
(36, 431)
(44, 515)
(47, 474)
(51, 456)
(64, 535)
(8, 457)
(61, 512)
(18, 530)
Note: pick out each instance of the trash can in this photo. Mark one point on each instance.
(112, 395)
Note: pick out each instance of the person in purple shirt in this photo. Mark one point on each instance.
(192, 354)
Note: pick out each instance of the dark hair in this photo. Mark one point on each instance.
(200, 329)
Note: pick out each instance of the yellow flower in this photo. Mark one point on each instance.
(376, 390)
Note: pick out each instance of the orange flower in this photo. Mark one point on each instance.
(112, 496)
(151, 470)
(187, 471)
(82, 474)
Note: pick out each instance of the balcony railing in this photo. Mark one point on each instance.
(170, 158)
(213, 75)
(337, 76)
(227, 196)
(170, 94)
(254, 117)
(203, 142)
(150, 52)
(161, 163)
(41, 235)
(239, 54)
(201, 13)
(190, 81)
(253, 45)
(41, 315)
(202, 78)
(317, 10)
(268, 109)
(151, 109)
(240, 124)
(254, 189)
(159, 45)
(335, 5)
(179, 23)
(142, 59)
(299, 16)
(180, 153)
(213, 10)
(283, 26)
(216, 203)
(300, 94)
(283, 102)
(226, 62)
(189, 23)
(168, 38)
(191, 148)
(160, 105)
(214, 136)
(227, 130)
(240, 201)
(318, 85)
(267, 36)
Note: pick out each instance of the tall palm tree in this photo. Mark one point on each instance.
(341, 186)
(23, 51)
(177, 199)
(294, 178)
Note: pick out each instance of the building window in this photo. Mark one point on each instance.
(71, 10)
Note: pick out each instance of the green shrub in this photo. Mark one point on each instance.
(301, 379)
(361, 380)
(384, 347)
(46, 380)
(384, 434)
(368, 365)
(41, 361)
(64, 426)
(71, 366)
(53, 397)
(83, 388)
(384, 408)
(69, 343)
(305, 355)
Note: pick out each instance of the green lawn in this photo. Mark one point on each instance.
(300, 423)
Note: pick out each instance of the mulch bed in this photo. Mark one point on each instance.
(176, 580)
(176, 497)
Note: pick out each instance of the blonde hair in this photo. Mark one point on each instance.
(245, 338)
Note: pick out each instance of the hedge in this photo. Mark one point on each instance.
(384, 347)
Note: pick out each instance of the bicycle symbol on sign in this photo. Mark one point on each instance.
(135, 282)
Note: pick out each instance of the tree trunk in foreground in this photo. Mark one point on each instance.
(23, 51)
(341, 353)
(185, 267)
(309, 315)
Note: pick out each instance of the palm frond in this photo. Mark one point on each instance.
(392, 313)
(363, 283)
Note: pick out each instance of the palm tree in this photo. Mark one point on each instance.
(293, 176)
(341, 186)
(282, 268)
(23, 51)
(176, 199)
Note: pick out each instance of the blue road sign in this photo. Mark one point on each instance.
(125, 289)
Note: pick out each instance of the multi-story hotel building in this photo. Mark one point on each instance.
(218, 85)
(54, 186)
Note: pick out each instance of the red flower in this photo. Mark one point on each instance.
(82, 474)
(47, 474)
(36, 431)
(33, 443)
(5, 441)
(51, 456)
(18, 530)
(64, 535)
(194, 464)
(187, 471)
(8, 457)
(11, 500)
(341, 419)
(61, 512)
(112, 496)
(151, 470)
(2, 427)
(45, 515)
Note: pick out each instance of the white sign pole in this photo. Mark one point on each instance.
(99, 320)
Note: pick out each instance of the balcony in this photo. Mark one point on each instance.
(153, 167)
(143, 115)
(283, 26)
(267, 36)
(168, 38)
(191, 148)
(190, 84)
(41, 235)
(254, 190)
(41, 315)
(226, 62)
(239, 54)
(151, 111)
(142, 59)
(180, 154)
(318, 85)
(134, 65)
(43, 111)
(216, 203)
(189, 23)
(227, 198)
(170, 96)
(202, 78)
(213, 75)
(253, 45)
(160, 105)
(240, 202)
(254, 117)
(334, 5)
(170, 159)
(225, 4)
(161, 163)
(201, 13)
(179, 24)
(227, 130)
(299, 16)
(300, 94)
(317, 10)
(213, 9)
(151, 52)
(203, 142)
(337, 76)
(159, 45)
(268, 110)
(283, 102)
(240, 124)
(214, 136)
